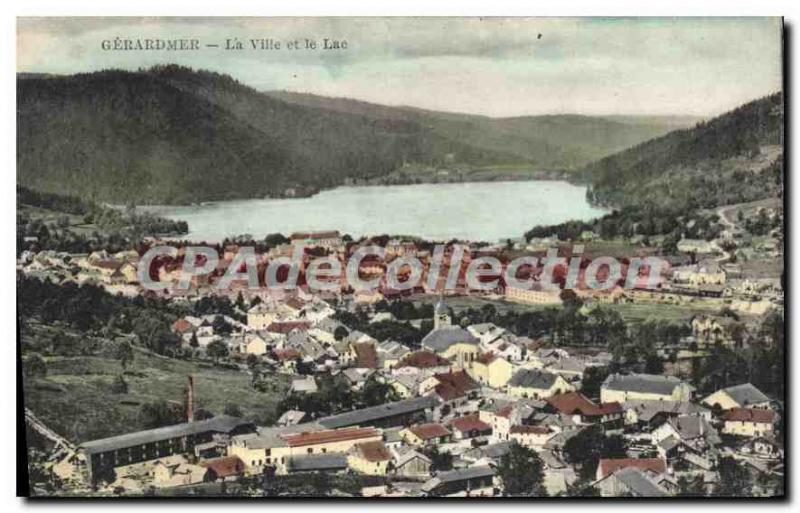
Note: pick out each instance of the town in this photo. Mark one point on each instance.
(419, 392)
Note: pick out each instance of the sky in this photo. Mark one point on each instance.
(493, 66)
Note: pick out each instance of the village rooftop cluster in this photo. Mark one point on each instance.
(473, 392)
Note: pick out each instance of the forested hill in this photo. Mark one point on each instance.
(549, 142)
(173, 135)
(734, 158)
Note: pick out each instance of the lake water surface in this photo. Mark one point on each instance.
(480, 211)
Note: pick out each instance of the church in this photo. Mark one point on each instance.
(449, 341)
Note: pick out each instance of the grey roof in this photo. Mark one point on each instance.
(497, 450)
(533, 378)
(221, 424)
(374, 413)
(646, 383)
(639, 484)
(457, 475)
(647, 409)
(746, 394)
(449, 476)
(690, 427)
(440, 339)
(314, 462)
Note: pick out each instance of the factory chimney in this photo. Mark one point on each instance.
(190, 401)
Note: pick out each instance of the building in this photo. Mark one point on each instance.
(537, 384)
(105, 454)
(329, 239)
(534, 296)
(633, 482)
(533, 437)
(471, 481)
(227, 468)
(454, 343)
(370, 458)
(738, 396)
(410, 463)
(399, 413)
(330, 463)
(631, 387)
(752, 422)
(423, 435)
(469, 426)
(490, 369)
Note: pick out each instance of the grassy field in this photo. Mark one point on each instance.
(76, 398)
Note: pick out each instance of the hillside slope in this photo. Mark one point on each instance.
(174, 135)
(733, 158)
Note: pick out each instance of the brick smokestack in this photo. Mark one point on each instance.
(190, 401)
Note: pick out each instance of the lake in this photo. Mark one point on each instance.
(478, 211)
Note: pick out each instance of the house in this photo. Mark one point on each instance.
(752, 422)
(631, 481)
(254, 344)
(398, 413)
(698, 246)
(304, 385)
(423, 360)
(691, 438)
(410, 463)
(533, 437)
(486, 332)
(370, 458)
(450, 387)
(227, 468)
(738, 396)
(490, 369)
(714, 329)
(537, 384)
(621, 388)
(537, 295)
(171, 472)
(471, 481)
(423, 435)
(469, 426)
(707, 272)
(584, 411)
(390, 353)
(646, 415)
(608, 466)
(361, 355)
(762, 447)
(291, 418)
(327, 239)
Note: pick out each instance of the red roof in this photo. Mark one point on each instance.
(429, 431)
(328, 436)
(374, 451)
(226, 466)
(535, 430)
(575, 402)
(423, 360)
(487, 358)
(284, 327)
(469, 423)
(314, 235)
(454, 384)
(182, 326)
(366, 355)
(756, 415)
(607, 467)
(287, 354)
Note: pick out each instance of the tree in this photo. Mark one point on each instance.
(521, 471)
(124, 353)
(217, 350)
(439, 460)
(340, 333)
(593, 378)
(734, 479)
(233, 410)
(691, 487)
(587, 447)
(34, 365)
(160, 413)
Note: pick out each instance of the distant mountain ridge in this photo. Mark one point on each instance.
(174, 135)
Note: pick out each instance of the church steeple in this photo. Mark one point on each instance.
(441, 314)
